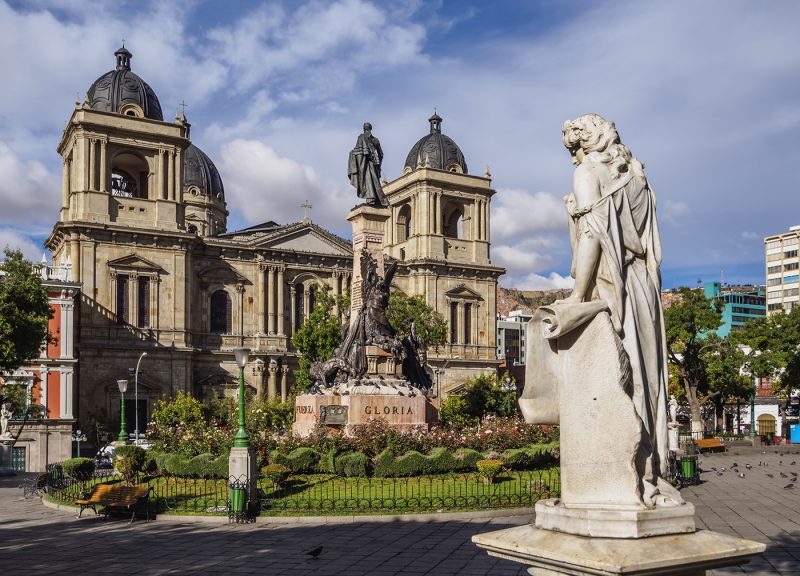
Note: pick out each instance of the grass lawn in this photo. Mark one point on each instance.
(329, 494)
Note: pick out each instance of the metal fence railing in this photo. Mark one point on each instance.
(330, 494)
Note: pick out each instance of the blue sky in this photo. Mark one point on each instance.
(704, 93)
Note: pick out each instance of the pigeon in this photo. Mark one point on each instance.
(748, 466)
(793, 462)
(714, 468)
(734, 465)
(719, 473)
(722, 470)
(314, 552)
(770, 475)
(763, 451)
(741, 475)
(784, 475)
(789, 486)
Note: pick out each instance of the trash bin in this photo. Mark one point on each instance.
(688, 467)
(236, 512)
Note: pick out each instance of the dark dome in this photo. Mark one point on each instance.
(435, 150)
(199, 171)
(115, 91)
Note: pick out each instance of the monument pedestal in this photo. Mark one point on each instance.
(6, 449)
(242, 465)
(550, 553)
(364, 403)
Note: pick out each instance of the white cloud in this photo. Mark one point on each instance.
(674, 212)
(29, 193)
(264, 186)
(16, 240)
(540, 282)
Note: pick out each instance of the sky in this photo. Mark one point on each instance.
(705, 93)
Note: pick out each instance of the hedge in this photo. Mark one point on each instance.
(79, 468)
(202, 466)
(353, 464)
(299, 460)
(529, 457)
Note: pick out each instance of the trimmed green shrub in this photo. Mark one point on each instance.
(489, 469)
(464, 459)
(79, 468)
(529, 457)
(352, 464)
(276, 473)
(327, 463)
(299, 460)
(130, 461)
(203, 465)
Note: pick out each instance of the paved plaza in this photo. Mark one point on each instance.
(37, 540)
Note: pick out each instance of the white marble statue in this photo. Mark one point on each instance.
(673, 410)
(600, 366)
(5, 416)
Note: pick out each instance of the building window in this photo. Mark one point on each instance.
(773, 244)
(774, 281)
(220, 314)
(453, 322)
(143, 302)
(791, 266)
(766, 424)
(404, 224)
(791, 292)
(790, 254)
(467, 323)
(773, 269)
(774, 257)
(299, 297)
(454, 222)
(123, 308)
(790, 241)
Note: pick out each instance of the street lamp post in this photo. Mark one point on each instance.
(123, 435)
(136, 397)
(241, 440)
(78, 437)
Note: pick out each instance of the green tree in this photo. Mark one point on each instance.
(24, 312)
(773, 348)
(724, 361)
(689, 323)
(481, 396)
(318, 337)
(430, 325)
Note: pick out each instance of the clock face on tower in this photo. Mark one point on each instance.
(122, 184)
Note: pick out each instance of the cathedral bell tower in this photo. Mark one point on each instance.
(439, 231)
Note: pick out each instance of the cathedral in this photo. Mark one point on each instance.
(143, 232)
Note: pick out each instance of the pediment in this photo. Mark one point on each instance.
(134, 263)
(306, 239)
(461, 292)
(223, 273)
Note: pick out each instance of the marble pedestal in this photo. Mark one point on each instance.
(6, 468)
(550, 553)
(242, 464)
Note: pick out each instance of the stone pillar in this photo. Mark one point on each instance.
(65, 187)
(281, 306)
(293, 308)
(272, 383)
(171, 176)
(260, 289)
(103, 167)
(160, 191)
(258, 377)
(284, 383)
(178, 176)
(369, 229)
(271, 299)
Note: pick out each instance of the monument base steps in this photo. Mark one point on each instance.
(551, 553)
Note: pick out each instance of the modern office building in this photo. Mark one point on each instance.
(783, 268)
(511, 337)
(742, 303)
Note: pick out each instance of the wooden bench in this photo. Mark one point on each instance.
(710, 444)
(117, 497)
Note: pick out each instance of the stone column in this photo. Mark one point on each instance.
(293, 308)
(281, 306)
(178, 176)
(272, 383)
(271, 299)
(92, 163)
(369, 228)
(260, 289)
(160, 192)
(258, 377)
(103, 167)
(65, 187)
(284, 383)
(44, 375)
(171, 175)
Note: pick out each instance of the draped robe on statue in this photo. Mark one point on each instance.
(627, 282)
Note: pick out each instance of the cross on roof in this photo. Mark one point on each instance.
(306, 205)
(183, 106)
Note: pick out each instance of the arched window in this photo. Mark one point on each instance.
(405, 227)
(129, 175)
(453, 225)
(766, 424)
(220, 313)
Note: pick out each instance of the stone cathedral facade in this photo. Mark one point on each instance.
(143, 230)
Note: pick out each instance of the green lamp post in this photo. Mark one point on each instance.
(123, 435)
(241, 440)
(753, 406)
